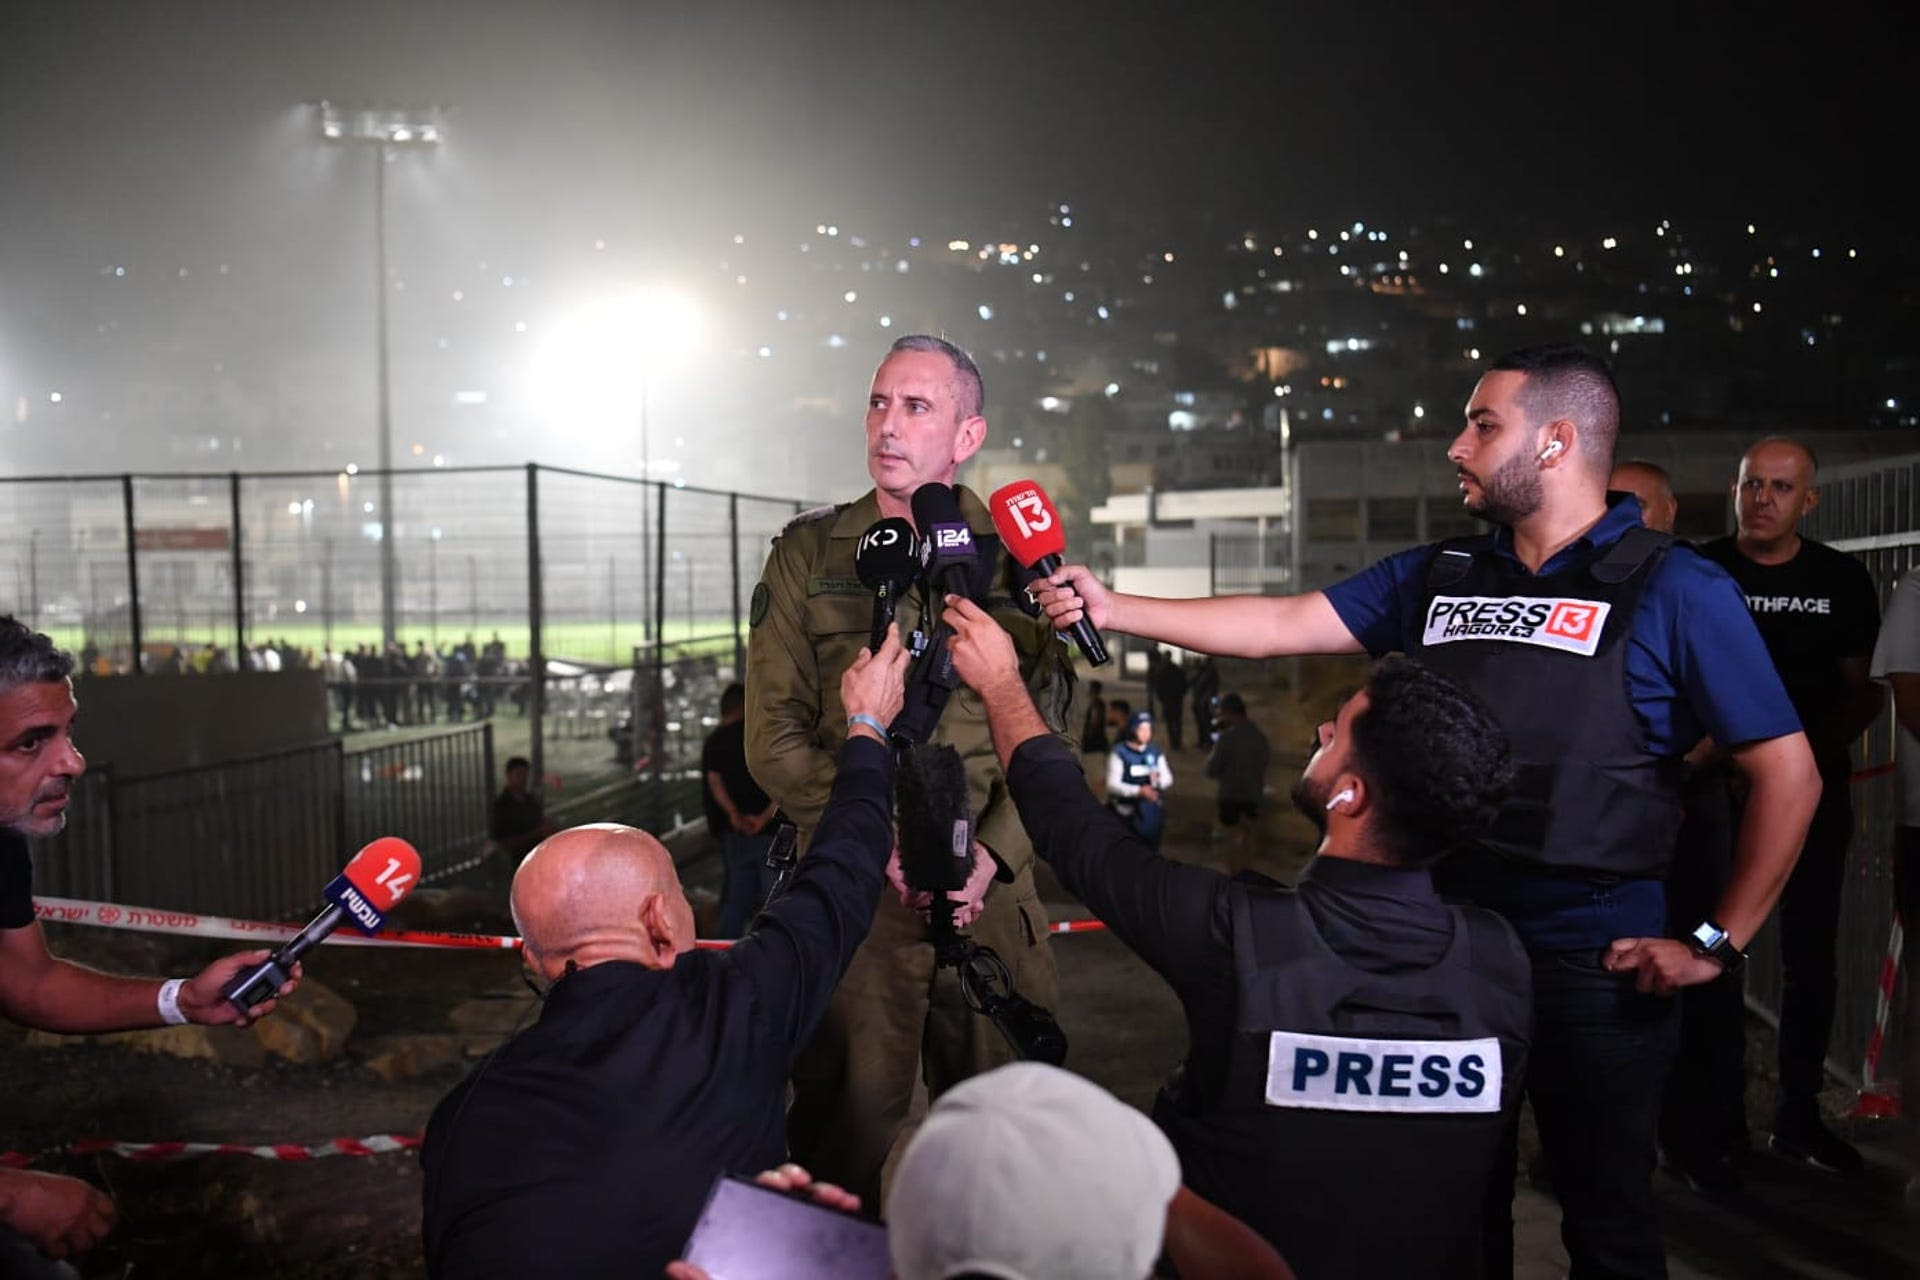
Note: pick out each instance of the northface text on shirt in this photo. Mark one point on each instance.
(1790, 604)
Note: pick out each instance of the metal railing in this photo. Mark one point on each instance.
(433, 789)
(258, 838)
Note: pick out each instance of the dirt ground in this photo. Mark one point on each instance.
(423, 1019)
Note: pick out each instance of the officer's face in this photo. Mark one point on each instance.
(38, 761)
(1496, 454)
(1774, 492)
(916, 431)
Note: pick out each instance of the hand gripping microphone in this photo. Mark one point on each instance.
(887, 560)
(1030, 526)
(371, 885)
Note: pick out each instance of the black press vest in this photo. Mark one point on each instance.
(1548, 654)
(1362, 1111)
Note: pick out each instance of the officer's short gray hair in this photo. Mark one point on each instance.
(973, 390)
(28, 657)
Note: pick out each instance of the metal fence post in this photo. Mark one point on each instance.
(239, 576)
(537, 657)
(341, 836)
(733, 545)
(656, 728)
(488, 774)
(133, 572)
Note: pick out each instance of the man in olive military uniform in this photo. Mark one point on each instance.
(892, 1012)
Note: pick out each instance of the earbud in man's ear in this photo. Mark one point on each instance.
(1550, 450)
(1346, 795)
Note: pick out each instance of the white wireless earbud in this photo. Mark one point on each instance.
(1550, 450)
(1346, 795)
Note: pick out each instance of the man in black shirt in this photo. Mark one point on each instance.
(1352, 1044)
(586, 1146)
(739, 814)
(1170, 688)
(1819, 613)
(519, 820)
(44, 1215)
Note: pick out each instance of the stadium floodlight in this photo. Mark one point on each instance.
(382, 130)
(591, 376)
(592, 371)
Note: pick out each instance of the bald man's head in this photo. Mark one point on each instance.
(597, 893)
(1650, 483)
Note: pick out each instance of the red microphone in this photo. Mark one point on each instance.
(1029, 525)
(365, 890)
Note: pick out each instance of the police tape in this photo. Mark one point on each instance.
(111, 915)
(164, 1152)
(1879, 1098)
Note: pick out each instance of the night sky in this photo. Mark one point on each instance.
(168, 136)
(118, 116)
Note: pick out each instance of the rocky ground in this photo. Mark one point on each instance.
(379, 1035)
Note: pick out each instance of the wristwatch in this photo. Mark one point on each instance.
(1713, 942)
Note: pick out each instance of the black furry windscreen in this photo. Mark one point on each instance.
(934, 817)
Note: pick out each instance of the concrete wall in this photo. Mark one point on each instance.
(141, 725)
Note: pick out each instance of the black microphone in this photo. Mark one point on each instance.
(935, 820)
(370, 886)
(887, 561)
(950, 560)
(947, 549)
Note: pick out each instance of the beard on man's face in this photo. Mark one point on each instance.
(1310, 798)
(1511, 493)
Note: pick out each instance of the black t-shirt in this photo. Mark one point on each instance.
(16, 882)
(516, 815)
(726, 755)
(1813, 611)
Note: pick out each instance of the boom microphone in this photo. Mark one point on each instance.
(370, 886)
(887, 561)
(935, 821)
(1029, 524)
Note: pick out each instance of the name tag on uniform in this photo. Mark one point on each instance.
(1339, 1073)
(1572, 626)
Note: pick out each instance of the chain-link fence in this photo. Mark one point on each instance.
(592, 621)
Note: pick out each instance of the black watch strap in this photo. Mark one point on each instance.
(1713, 942)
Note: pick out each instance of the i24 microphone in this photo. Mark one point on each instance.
(370, 886)
(1029, 524)
(947, 548)
(887, 560)
(949, 556)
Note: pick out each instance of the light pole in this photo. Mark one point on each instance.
(382, 130)
(433, 589)
(33, 577)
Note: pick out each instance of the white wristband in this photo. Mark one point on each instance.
(169, 1002)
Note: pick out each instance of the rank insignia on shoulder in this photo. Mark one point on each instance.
(810, 516)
